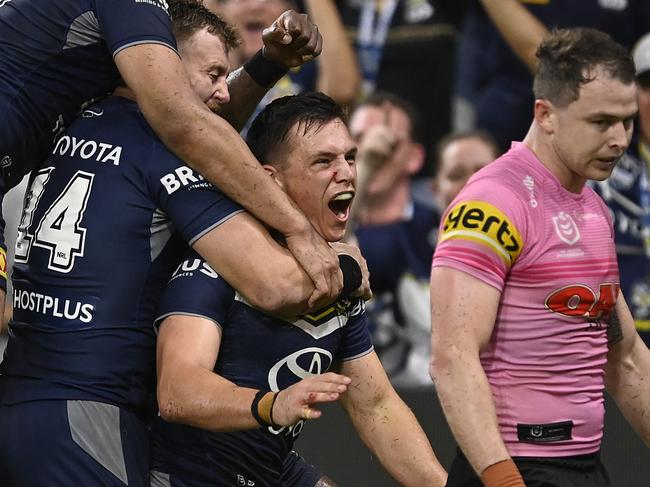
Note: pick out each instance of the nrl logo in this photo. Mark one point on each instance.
(566, 228)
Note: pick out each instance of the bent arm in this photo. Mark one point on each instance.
(521, 30)
(463, 311)
(387, 426)
(188, 391)
(244, 253)
(627, 374)
(245, 95)
(205, 141)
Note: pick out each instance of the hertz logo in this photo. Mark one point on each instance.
(485, 224)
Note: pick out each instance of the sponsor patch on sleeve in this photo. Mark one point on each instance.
(485, 224)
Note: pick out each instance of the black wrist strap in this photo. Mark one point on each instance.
(264, 72)
(351, 274)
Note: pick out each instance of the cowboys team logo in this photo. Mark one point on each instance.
(566, 228)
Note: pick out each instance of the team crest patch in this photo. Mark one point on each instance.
(483, 223)
(566, 228)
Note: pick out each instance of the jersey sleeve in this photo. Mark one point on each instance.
(482, 232)
(195, 289)
(192, 204)
(126, 23)
(356, 340)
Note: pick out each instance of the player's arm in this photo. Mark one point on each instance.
(244, 253)
(521, 30)
(211, 146)
(189, 392)
(338, 70)
(387, 426)
(463, 312)
(627, 374)
(289, 42)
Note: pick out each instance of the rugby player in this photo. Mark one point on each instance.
(56, 55)
(528, 322)
(105, 219)
(224, 365)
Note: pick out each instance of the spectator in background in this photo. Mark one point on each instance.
(493, 87)
(395, 233)
(407, 47)
(625, 191)
(335, 72)
(459, 156)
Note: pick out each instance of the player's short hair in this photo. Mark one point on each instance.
(568, 59)
(270, 131)
(190, 16)
(379, 98)
(482, 135)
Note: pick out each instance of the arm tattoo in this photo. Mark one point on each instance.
(614, 329)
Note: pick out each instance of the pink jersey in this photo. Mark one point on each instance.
(551, 254)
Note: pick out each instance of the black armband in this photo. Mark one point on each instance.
(262, 407)
(351, 274)
(264, 72)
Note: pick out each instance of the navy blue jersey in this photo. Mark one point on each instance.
(54, 56)
(100, 234)
(257, 351)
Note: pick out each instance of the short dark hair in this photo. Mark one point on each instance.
(568, 58)
(378, 98)
(190, 16)
(482, 135)
(271, 128)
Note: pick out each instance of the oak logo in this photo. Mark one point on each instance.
(580, 301)
(483, 223)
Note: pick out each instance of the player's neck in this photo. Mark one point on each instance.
(387, 208)
(541, 145)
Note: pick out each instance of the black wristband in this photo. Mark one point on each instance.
(264, 72)
(351, 274)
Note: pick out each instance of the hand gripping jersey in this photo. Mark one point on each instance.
(257, 351)
(99, 237)
(54, 56)
(551, 254)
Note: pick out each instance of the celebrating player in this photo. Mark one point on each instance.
(101, 231)
(224, 365)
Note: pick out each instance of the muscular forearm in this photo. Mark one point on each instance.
(195, 396)
(628, 381)
(466, 399)
(389, 429)
(245, 95)
(339, 75)
(520, 29)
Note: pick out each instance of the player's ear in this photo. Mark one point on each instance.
(545, 115)
(274, 173)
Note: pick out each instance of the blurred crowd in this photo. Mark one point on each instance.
(436, 90)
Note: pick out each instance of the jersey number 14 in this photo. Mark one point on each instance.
(59, 229)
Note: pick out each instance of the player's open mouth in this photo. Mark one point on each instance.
(340, 205)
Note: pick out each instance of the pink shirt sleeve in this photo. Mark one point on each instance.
(483, 231)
